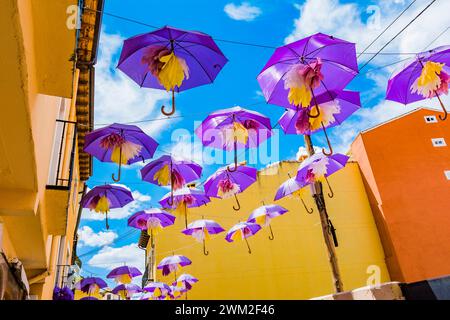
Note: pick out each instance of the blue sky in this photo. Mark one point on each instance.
(271, 23)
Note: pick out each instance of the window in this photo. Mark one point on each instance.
(438, 142)
(447, 174)
(430, 119)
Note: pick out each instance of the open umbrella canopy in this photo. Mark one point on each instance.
(289, 187)
(126, 290)
(168, 170)
(185, 282)
(90, 284)
(242, 231)
(307, 68)
(105, 144)
(190, 196)
(426, 76)
(146, 58)
(104, 198)
(172, 263)
(201, 229)
(318, 167)
(220, 129)
(225, 184)
(157, 289)
(124, 274)
(151, 219)
(335, 107)
(264, 214)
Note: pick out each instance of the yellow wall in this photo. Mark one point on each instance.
(295, 264)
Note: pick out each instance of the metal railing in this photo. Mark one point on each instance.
(61, 172)
(66, 276)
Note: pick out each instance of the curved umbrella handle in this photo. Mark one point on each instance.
(329, 187)
(328, 141)
(120, 167)
(271, 237)
(310, 211)
(205, 252)
(238, 203)
(235, 157)
(163, 108)
(248, 246)
(443, 108)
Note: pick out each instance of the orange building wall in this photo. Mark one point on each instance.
(409, 193)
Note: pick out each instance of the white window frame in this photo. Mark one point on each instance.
(434, 119)
(447, 174)
(436, 142)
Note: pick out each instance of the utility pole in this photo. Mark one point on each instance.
(326, 224)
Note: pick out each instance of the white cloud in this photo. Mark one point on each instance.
(302, 152)
(243, 12)
(120, 99)
(87, 237)
(140, 202)
(109, 258)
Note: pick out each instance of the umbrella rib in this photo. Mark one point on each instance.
(195, 58)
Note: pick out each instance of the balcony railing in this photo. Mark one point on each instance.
(66, 276)
(61, 164)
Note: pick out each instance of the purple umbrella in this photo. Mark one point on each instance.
(318, 167)
(120, 143)
(103, 198)
(124, 274)
(185, 281)
(225, 184)
(152, 220)
(186, 198)
(62, 294)
(201, 229)
(158, 289)
(299, 72)
(242, 231)
(335, 107)
(233, 129)
(263, 215)
(428, 76)
(291, 187)
(169, 171)
(172, 263)
(127, 290)
(171, 59)
(91, 285)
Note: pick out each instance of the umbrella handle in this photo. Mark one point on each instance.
(235, 157)
(317, 106)
(163, 108)
(185, 215)
(328, 141)
(107, 224)
(238, 203)
(248, 246)
(310, 211)
(443, 108)
(329, 187)
(120, 167)
(205, 252)
(271, 237)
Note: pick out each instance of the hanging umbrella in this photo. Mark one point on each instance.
(225, 184)
(185, 282)
(171, 59)
(233, 129)
(242, 231)
(152, 220)
(299, 72)
(124, 274)
(426, 77)
(175, 292)
(201, 229)
(183, 199)
(157, 289)
(263, 215)
(169, 171)
(172, 263)
(91, 285)
(334, 106)
(121, 144)
(319, 167)
(104, 198)
(292, 187)
(126, 291)
(62, 294)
